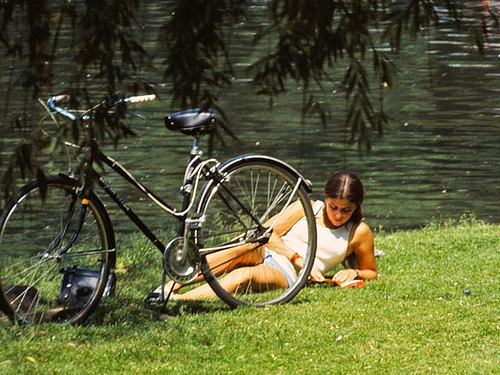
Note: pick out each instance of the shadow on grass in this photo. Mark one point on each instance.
(133, 312)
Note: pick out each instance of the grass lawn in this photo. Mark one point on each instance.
(435, 309)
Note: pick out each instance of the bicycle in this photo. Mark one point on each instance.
(57, 244)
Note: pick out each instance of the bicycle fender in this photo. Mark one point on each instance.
(256, 157)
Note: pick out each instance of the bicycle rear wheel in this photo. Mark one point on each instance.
(255, 188)
(47, 236)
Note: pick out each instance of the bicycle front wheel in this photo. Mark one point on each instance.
(253, 192)
(56, 251)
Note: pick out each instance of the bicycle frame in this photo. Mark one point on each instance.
(186, 190)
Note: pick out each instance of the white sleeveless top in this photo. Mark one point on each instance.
(331, 243)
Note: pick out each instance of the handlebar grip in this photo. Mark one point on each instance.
(60, 98)
(141, 98)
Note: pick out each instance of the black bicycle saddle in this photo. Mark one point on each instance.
(192, 121)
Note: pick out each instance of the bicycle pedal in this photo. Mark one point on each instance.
(153, 301)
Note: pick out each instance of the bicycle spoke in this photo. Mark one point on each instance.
(77, 254)
(274, 203)
(35, 282)
(25, 270)
(291, 195)
(231, 209)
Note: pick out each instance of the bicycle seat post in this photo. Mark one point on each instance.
(195, 151)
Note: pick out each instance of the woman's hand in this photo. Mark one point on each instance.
(315, 275)
(346, 275)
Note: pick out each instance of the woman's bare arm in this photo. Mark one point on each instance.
(282, 225)
(361, 245)
(283, 222)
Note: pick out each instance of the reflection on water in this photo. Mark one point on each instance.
(439, 158)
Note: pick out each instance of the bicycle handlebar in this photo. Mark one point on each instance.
(53, 102)
(140, 99)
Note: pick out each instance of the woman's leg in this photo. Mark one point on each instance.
(224, 261)
(259, 278)
(235, 257)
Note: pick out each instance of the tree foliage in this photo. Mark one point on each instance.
(308, 43)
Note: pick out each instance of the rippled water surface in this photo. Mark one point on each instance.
(439, 157)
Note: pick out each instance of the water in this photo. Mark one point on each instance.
(438, 158)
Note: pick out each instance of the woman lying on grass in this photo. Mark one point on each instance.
(340, 234)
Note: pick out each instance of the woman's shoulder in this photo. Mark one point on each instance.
(361, 231)
(363, 227)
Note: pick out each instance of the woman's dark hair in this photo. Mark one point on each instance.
(345, 185)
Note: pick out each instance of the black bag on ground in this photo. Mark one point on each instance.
(78, 285)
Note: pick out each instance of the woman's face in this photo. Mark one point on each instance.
(339, 211)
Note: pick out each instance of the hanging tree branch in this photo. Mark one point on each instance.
(312, 44)
(104, 49)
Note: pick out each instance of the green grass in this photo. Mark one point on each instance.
(415, 319)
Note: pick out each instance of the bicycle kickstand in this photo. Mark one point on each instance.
(157, 301)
